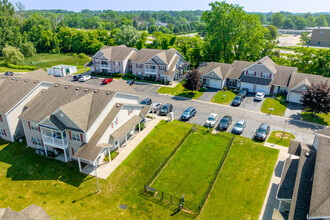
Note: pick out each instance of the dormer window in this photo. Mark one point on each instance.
(250, 73)
(265, 75)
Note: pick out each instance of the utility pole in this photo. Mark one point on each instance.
(283, 129)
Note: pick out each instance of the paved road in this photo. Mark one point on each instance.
(303, 131)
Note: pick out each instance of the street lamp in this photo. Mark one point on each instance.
(284, 129)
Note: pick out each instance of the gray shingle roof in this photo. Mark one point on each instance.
(59, 95)
(144, 111)
(91, 150)
(146, 54)
(294, 148)
(299, 79)
(221, 69)
(269, 63)
(303, 185)
(237, 69)
(118, 53)
(32, 212)
(288, 179)
(325, 131)
(172, 68)
(282, 77)
(320, 201)
(119, 86)
(125, 128)
(256, 80)
(277, 215)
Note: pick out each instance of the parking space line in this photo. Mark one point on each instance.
(194, 118)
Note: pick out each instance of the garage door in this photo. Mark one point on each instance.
(247, 86)
(294, 97)
(215, 84)
(264, 89)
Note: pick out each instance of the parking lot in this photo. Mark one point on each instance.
(303, 131)
(250, 104)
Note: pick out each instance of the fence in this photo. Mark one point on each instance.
(187, 206)
(215, 175)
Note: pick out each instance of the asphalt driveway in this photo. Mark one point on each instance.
(293, 110)
(208, 94)
(250, 104)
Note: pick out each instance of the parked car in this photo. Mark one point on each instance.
(225, 123)
(239, 127)
(188, 114)
(77, 77)
(259, 96)
(9, 73)
(130, 82)
(146, 101)
(167, 108)
(237, 100)
(154, 108)
(212, 120)
(243, 92)
(262, 132)
(106, 81)
(85, 78)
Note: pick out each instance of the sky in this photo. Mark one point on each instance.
(178, 5)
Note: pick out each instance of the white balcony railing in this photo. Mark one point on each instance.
(55, 142)
(151, 71)
(105, 66)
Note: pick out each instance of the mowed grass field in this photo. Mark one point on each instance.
(241, 187)
(192, 167)
(59, 188)
(179, 90)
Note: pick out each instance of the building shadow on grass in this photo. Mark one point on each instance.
(27, 165)
(173, 208)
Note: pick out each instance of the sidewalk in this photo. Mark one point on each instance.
(105, 169)
(270, 201)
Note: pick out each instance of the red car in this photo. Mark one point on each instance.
(106, 81)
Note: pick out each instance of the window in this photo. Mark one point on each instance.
(130, 111)
(2, 132)
(104, 62)
(1, 118)
(116, 63)
(36, 141)
(250, 73)
(265, 75)
(34, 126)
(162, 68)
(139, 65)
(75, 136)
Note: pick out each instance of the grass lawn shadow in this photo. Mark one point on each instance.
(27, 165)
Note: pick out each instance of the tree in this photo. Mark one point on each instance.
(277, 20)
(28, 49)
(12, 54)
(321, 21)
(127, 35)
(288, 24)
(305, 39)
(273, 31)
(193, 80)
(301, 23)
(316, 98)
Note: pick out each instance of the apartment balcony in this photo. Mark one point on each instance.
(55, 142)
(105, 66)
(151, 71)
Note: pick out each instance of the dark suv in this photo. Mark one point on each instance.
(167, 108)
(243, 92)
(77, 77)
(262, 132)
(9, 73)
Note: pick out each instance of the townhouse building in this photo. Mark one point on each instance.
(165, 65)
(16, 92)
(74, 122)
(111, 59)
(260, 76)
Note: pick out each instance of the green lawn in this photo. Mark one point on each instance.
(276, 138)
(241, 187)
(26, 178)
(278, 104)
(179, 90)
(202, 153)
(322, 118)
(219, 97)
(4, 69)
(44, 60)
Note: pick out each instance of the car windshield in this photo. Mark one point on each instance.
(164, 107)
(186, 111)
(261, 130)
(259, 95)
(224, 121)
(237, 98)
(239, 125)
(144, 101)
(211, 118)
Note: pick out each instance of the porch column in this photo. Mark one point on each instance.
(126, 138)
(139, 127)
(52, 136)
(118, 146)
(65, 157)
(109, 154)
(79, 164)
(45, 149)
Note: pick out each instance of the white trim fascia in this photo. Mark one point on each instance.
(11, 135)
(123, 93)
(212, 71)
(256, 63)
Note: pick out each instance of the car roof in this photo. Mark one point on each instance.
(264, 125)
(167, 104)
(226, 116)
(213, 115)
(146, 99)
(240, 121)
(190, 108)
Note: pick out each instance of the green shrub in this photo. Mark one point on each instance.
(130, 75)
(82, 55)
(117, 74)
(113, 155)
(142, 126)
(13, 66)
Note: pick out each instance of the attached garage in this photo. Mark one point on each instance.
(248, 86)
(294, 96)
(264, 89)
(214, 83)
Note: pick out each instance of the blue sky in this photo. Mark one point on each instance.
(124, 5)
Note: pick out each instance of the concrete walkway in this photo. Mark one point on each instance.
(270, 201)
(106, 168)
